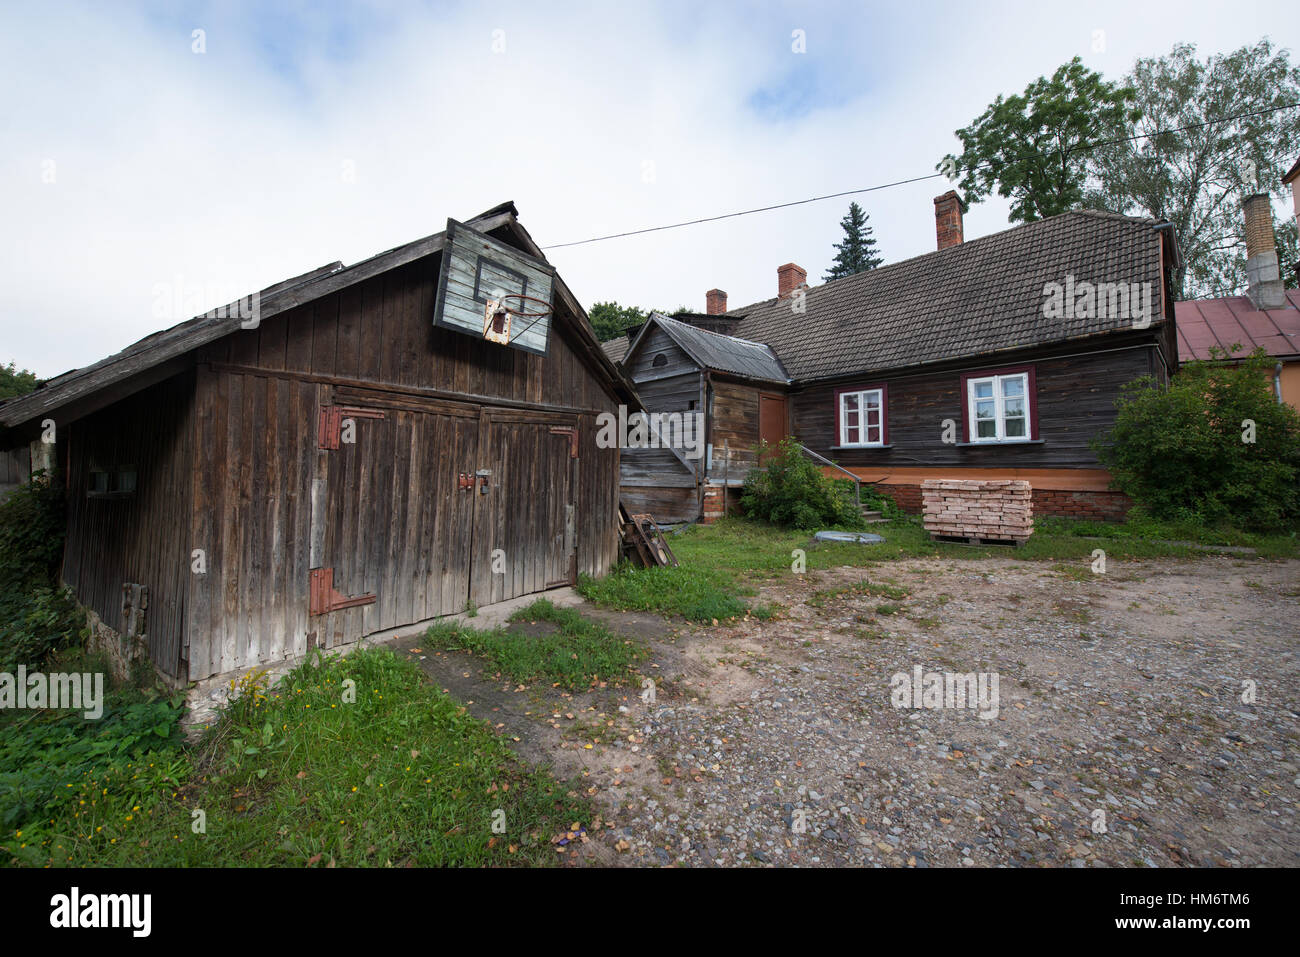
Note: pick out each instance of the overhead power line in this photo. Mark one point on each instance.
(902, 182)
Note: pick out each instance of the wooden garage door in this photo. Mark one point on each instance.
(425, 509)
(395, 522)
(525, 526)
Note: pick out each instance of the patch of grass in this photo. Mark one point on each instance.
(1140, 527)
(766, 612)
(695, 591)
(888, 609)
(1078, 572)
(741, 546)
(302, 776)
(870, 634)
(716, 558)
(576, 654)
(876, 589)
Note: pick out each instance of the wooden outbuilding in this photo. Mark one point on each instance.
(240, 492)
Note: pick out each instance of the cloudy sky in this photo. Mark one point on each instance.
(142, 163)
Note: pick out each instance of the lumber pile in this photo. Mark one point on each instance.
(978, 510)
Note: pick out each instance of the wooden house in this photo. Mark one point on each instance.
(1001, 357)
(735, 388)
(240, 493)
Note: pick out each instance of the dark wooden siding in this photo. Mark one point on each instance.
(15, 469)
(734, 427)
(142, 537)
(640, 366)
(665, 504)
(389, 518)
(1075, 395)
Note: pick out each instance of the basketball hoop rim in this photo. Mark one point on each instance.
(547, 308)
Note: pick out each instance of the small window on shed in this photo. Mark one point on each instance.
(111, 481)
(660, 360)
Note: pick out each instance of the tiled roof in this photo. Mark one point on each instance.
(982, 296)
(1205, 323)
(615, 349)
(720, 353)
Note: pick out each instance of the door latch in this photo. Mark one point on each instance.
(483, 476)
(466, 481)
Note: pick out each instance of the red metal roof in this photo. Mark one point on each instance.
(1203, 323)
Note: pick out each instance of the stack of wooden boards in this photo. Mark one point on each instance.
(978, 511)
(643, 541)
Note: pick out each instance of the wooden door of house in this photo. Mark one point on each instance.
(771, 418)
(525, 524)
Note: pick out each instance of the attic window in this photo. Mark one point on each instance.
(660, 360)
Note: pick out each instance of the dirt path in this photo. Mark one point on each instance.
(1121, 736)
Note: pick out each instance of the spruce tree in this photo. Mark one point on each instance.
(858, 251)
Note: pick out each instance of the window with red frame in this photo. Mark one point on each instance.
(1000, 406)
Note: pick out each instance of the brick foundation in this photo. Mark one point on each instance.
(1106, 506)
(1089, 506)
(719, 501)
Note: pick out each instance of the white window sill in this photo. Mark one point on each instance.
(986, 442)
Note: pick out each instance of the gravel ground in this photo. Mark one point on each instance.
(1121, 736)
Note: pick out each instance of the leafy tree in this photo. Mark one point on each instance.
(857, 253)
(1213, 447)
(1288, 250)
(15, 382)
(610, 320)
(791, 490)
(1191, 157)
(1027, 146)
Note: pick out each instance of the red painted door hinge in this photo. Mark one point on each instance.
(331, 423)
(325, 599)
(572, 432)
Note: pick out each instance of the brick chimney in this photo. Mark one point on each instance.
(789, 278)
(947, 219)
(715, 302)
(1263, 276)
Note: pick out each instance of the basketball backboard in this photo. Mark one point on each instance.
(478, 270)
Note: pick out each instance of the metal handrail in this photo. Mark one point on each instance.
(857, 482)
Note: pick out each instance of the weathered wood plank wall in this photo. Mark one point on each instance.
(139, 537)
(388, 517)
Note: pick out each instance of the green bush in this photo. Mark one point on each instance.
(36, 622)
(37, 616)
(1185, 451)
(43, 753)
(793, 492)
(31, 533)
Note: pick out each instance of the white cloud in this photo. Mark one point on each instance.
(226, 168)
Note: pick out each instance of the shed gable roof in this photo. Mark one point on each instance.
(982, 296)
(729, 355)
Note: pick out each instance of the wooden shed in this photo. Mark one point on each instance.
(735, 386)
(240, 494)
